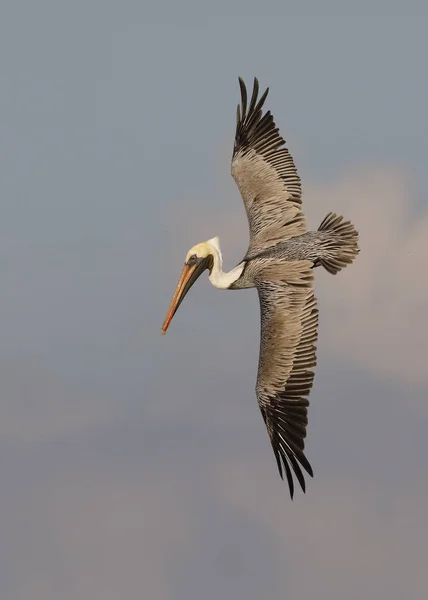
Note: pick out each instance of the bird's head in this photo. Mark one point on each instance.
(198, 259)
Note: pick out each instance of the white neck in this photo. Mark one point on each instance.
(218, 278)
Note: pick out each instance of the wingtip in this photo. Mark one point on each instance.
(241, 80)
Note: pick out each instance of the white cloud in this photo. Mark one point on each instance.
(101, 536)
(374, 312)
(344, 539)
(37, 405)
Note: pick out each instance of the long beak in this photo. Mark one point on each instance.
(189, 275)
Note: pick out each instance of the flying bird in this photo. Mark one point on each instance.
(279, 263)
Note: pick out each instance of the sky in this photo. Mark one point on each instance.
(136, 465)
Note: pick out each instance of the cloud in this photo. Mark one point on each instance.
(108, 534)
(374, 312)
(344, 539)
(37, 405)
(97, 536)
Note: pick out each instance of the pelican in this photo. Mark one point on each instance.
(279, 263)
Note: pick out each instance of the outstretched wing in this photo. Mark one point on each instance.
(289, 321)
(266, 176)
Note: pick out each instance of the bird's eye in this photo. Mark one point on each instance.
(192, 259)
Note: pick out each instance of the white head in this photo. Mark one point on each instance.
(205, 249)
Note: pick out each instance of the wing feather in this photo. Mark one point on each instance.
(289, 319)
(266, 176)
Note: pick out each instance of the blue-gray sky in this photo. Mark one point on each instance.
(135, 465)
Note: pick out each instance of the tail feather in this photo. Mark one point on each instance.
(341, 243)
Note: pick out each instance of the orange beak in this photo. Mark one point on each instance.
(189, 275)
(185, 276)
